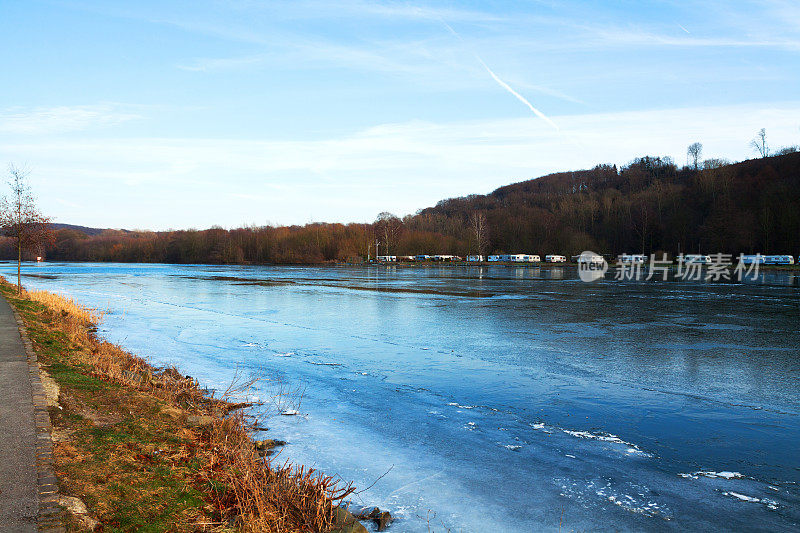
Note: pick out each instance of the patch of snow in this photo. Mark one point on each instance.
(631, 449)
(742, 497)
(724, 474)
(454, 404)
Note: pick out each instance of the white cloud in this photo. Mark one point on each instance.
(162, 182)
(628, 38)
(223, 63)
(62, 119)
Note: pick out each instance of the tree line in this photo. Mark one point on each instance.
(648, 206)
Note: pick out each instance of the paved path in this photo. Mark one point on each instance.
(19, 492)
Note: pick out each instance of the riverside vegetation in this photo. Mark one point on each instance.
(648, 206)
(147, 449)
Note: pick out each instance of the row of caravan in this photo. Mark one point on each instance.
(505, 258)
(768, 259)
(701, 259)
(525, 258)
(420, 257)
(640, 259)
(586, 257)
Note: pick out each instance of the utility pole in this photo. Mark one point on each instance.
(376, 250)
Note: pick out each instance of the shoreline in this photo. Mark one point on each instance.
(136, 445)
(401, 264)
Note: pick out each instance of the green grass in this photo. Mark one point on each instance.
(123, 454)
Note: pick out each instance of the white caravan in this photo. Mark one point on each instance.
(632, 259)
(697, 259)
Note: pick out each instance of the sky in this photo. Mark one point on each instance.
(188, 114)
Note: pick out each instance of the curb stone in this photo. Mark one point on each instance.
(49, 519)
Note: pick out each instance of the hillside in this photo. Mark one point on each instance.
(83, 229)
(648, 206)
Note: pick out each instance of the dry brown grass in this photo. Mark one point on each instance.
(62, 304)
(251, 493)
(268, 496)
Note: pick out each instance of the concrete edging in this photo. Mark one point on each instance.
(49, 518)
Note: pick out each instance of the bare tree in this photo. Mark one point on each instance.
(715, 163)
(479, 231)
(694, 152)
(388, 228)
(760, 143)
(788, 150)
(21, 220)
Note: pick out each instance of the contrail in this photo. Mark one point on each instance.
(503, 84)
(449, 27)
(521, 98)
(684, 29)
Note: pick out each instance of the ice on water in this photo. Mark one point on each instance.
(553, 402)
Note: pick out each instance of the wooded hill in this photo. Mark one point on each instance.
(648, 206)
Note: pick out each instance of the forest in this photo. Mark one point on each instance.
(648, 206)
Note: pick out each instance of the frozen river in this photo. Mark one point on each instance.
(497, 399)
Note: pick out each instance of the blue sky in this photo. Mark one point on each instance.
(188, 114)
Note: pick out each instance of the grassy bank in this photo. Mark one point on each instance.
(145, 449)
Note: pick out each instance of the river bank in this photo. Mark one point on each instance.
(143, 448)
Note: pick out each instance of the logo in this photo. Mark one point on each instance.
(591, 266)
